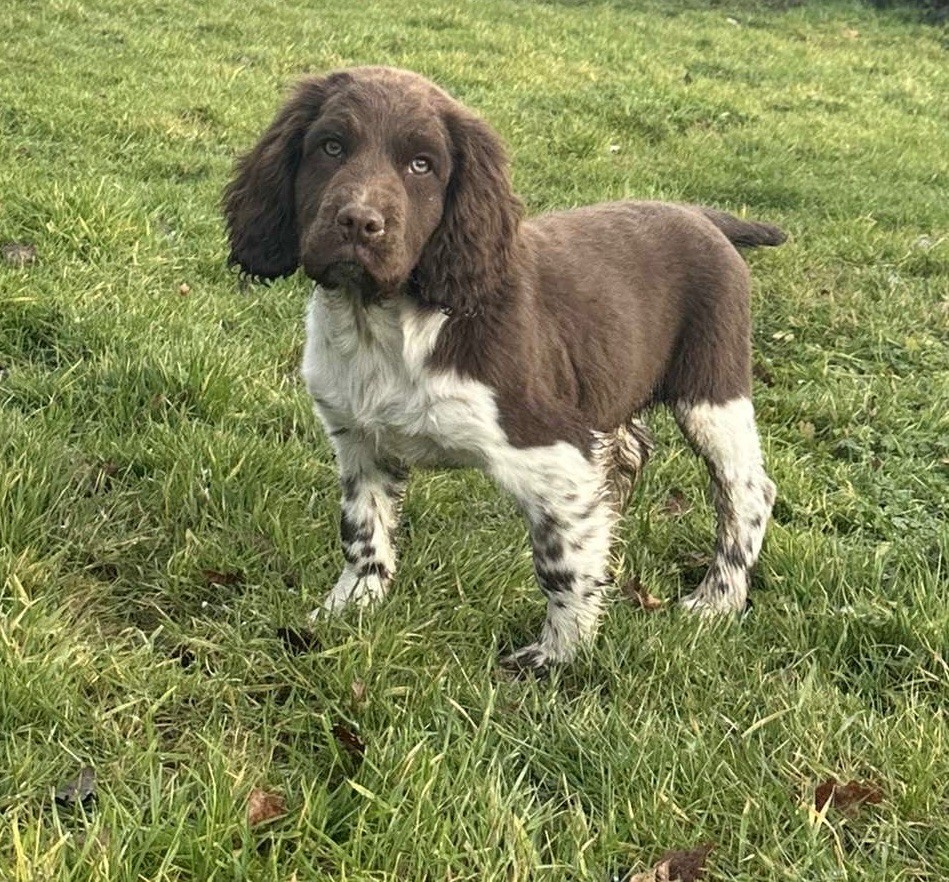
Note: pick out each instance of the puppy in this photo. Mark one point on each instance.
(445, 329)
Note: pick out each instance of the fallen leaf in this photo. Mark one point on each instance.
(676, 866)
(18, 254)
(687, 866)
(850, 33)
(81, 790)
(676, 503)
(762, 374)
(263, 806)
(228, 580)
(184, 288)
(298, 642)
(358, 691)
(846, 798)
(184, 656)
(349, 740)
(639, 595)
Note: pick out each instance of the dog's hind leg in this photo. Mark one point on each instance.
(725, 436)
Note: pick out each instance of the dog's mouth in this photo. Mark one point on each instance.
(357, 270)
(349, 274)
(350, 277)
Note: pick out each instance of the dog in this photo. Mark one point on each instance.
(446, 329)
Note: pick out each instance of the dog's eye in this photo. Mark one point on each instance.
(420, 166)
(332, 147)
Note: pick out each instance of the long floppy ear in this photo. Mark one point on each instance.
(258, 204)
(469, 260)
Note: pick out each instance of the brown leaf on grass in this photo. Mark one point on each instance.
(846, 798)
(676, 504)
(761, 373)
(358, 692)
(298, 642)
(184, 289)
(263, 806)
(228, 579)
(639, 595)
(81, 790)
(676, 866)
(18, 254)
(349, 741)
(183, 655)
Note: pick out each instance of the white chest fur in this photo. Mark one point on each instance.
(366, 369)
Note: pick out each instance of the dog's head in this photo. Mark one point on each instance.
(376, 181)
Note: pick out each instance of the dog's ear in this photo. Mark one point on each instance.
(259, 204)
(468, 260)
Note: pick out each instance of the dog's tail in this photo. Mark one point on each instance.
(742, 233)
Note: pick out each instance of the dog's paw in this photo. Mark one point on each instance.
(709, 602)
(351, 590)
(533, 660)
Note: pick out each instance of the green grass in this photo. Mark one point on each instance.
(149, 439)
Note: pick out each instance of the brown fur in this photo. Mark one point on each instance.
(577, 319)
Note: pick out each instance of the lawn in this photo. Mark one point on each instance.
(168, 503)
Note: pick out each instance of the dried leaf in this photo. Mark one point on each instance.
(228, 580)
(762, 374)
(358, 691)
(184, 289)
(639, 595)
(263, 806)
(18, 254)
(81, 790)
(349, 741)
(846, 798)
(676, 503)
(850, 33)
(184, 656)
(298, 642)
(687, 866)
(676, 866)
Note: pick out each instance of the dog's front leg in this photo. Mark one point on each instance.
(567, 503)
(372, 495)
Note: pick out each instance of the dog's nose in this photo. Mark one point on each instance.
(361, 223)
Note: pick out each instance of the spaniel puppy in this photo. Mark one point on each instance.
(445, 329)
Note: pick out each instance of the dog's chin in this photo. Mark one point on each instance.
(353, 278)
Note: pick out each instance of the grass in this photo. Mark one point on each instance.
(167, 501)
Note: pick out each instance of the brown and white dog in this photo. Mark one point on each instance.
(446, 330)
